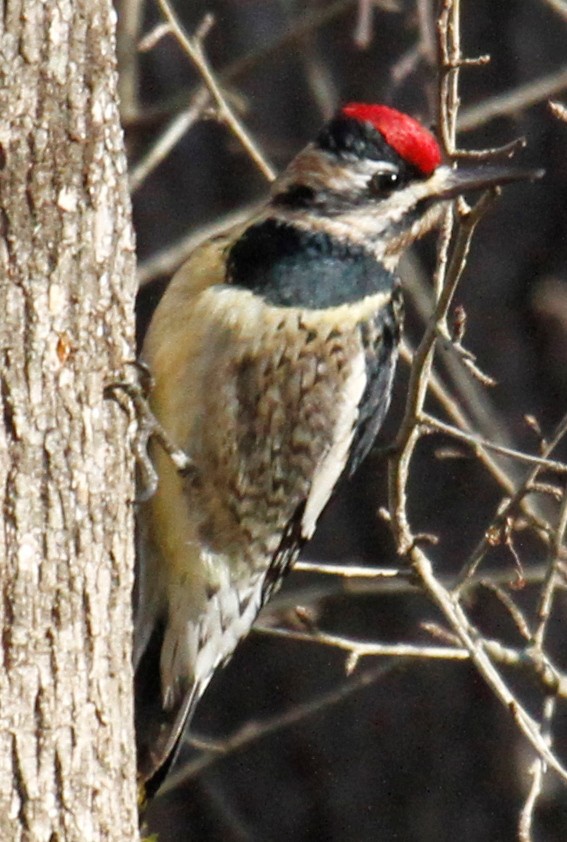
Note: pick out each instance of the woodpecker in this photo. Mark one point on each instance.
(272, 353)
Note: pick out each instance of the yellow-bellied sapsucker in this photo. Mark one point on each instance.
(272, 353)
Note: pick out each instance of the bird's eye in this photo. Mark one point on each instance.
(383, 183)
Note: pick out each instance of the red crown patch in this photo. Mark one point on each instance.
(412, 141)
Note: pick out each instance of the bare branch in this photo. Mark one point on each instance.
(507, 509)
(128, 29)
(552, 680)
(361, 649)
(152, 38)
(183, 120)
(256, 730)
(363, 29)
(448, 29)
(159, 151)
(537, 772)
(452, 258)
(513, 102)
(419, 377)
(513, 610)
(193, 47)
(434, 425)
(458, 620)
(350, 571)
(548, 591)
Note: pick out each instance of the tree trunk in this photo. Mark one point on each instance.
(66, 294)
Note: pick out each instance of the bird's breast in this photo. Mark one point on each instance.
(275, 400)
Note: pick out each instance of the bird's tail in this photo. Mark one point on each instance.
(159, 731)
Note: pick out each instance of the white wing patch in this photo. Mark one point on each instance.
(334, 461)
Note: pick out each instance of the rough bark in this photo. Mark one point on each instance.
(66, 289)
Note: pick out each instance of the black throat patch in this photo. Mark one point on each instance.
(290, 267)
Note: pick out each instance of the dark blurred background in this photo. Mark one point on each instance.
(423, 751)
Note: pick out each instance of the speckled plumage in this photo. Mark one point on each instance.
(273, 352)
(266, 401)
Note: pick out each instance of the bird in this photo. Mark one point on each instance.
(272, 354)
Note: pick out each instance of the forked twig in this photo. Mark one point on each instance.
(193, 47)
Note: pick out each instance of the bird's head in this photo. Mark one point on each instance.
(377, 176)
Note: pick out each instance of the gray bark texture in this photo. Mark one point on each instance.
(66, 486)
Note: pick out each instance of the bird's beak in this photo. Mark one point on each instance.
(426, 201)
(450, 183)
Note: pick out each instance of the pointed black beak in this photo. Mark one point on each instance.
(455, 182)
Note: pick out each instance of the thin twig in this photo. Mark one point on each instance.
(303, 25)
(175, 130)
(506, 476)
(458, 620)
(552, 680)
(128, 28)
(434, 425)
(512, 102)
(193, 47)
(256, 730)
(363, 30)
(426, 26)
(548, 591)
(337, 586)
(409, 432)
(361, 649)
(511, 607)
(508, 508)
(350, 571)
(471, 398)
(152, 38)
(319, 78)
(449, 28)
(537, 772)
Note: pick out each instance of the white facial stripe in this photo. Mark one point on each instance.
(356, 175)
(365, 224)
(317, 168)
